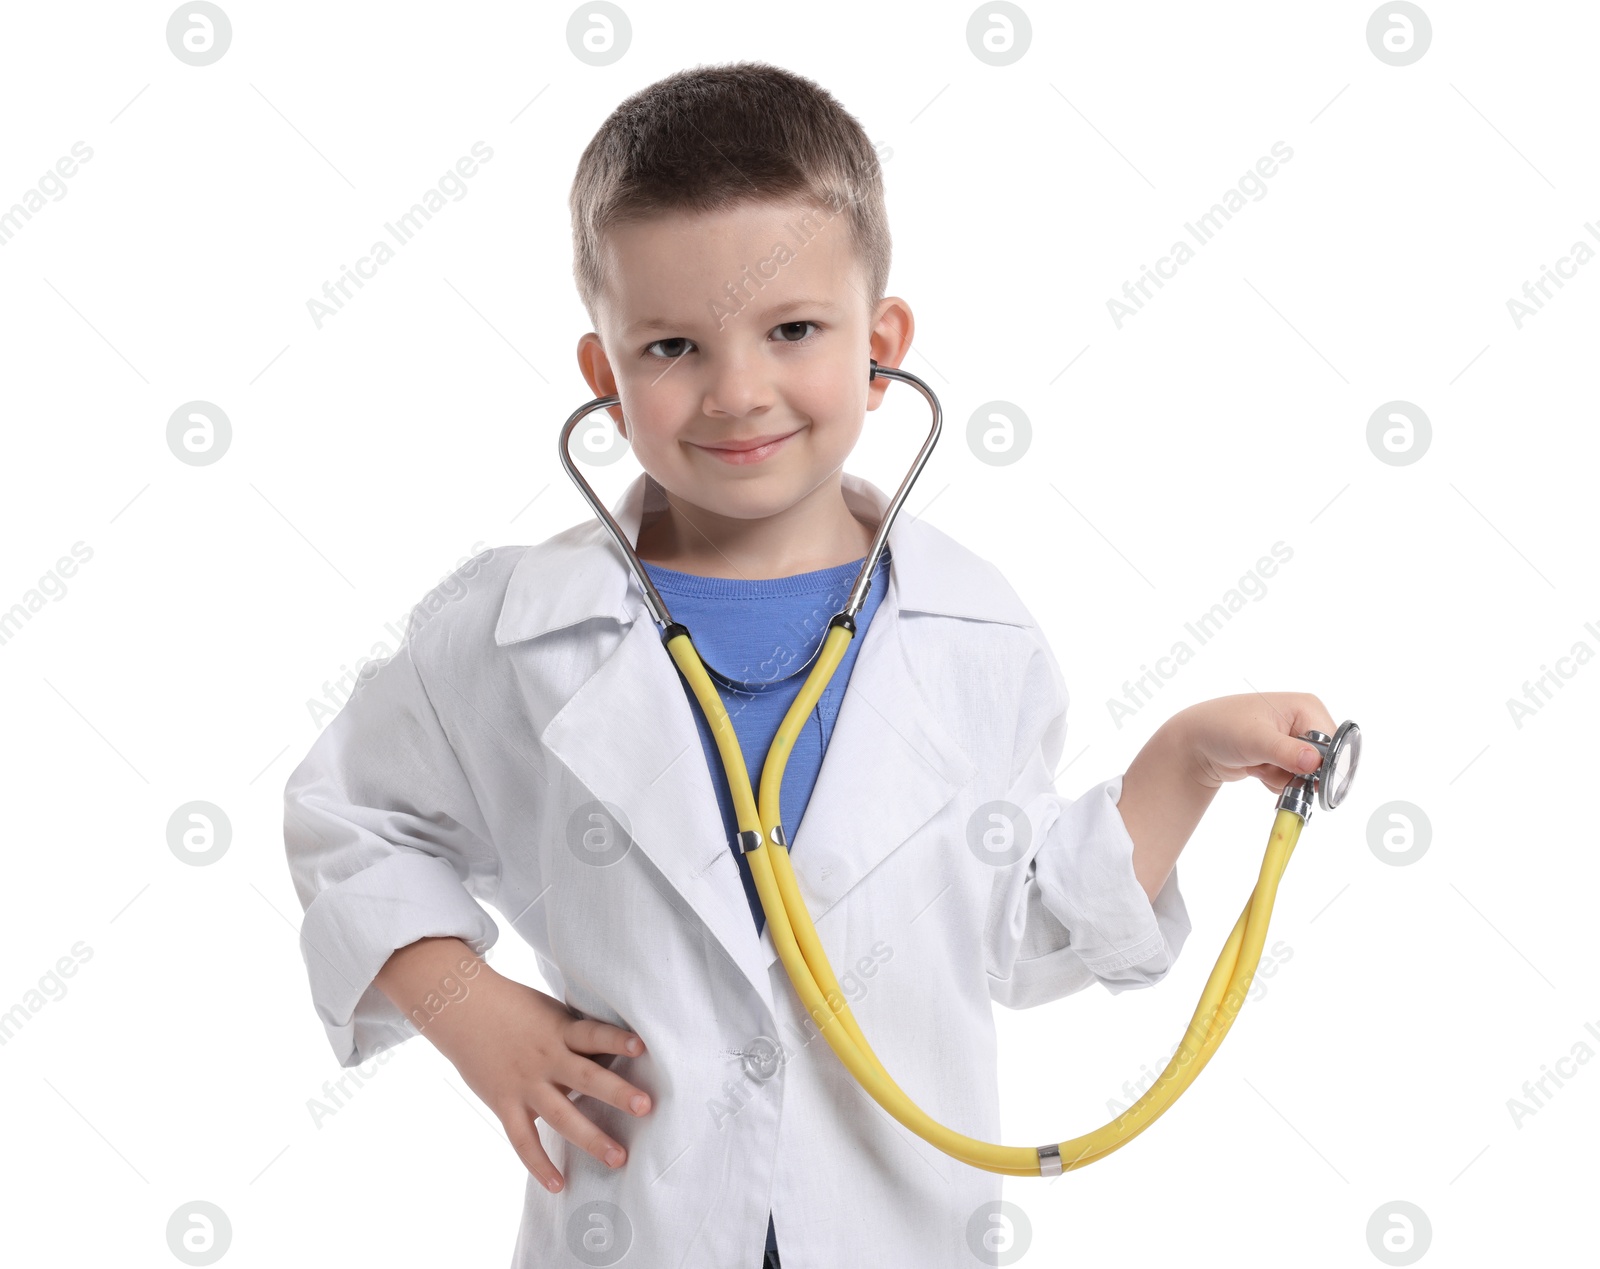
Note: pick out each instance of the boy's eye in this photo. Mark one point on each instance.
(791, 326)
(668, 356)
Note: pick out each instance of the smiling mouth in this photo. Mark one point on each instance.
(754, 443)
(751, 451)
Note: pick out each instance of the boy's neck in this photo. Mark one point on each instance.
(816, 533)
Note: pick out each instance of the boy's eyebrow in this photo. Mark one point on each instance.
(777, 310)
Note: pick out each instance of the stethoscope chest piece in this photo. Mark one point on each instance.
(1341, 753)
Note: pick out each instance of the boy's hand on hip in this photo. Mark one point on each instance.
(1255, 734)
(526, 1052)
(521, 1051)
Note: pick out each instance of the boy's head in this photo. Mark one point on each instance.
(732, 250)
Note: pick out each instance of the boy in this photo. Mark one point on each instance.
(531, 746)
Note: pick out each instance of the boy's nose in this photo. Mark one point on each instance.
(737, 394)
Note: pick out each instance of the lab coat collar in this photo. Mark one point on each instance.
(929, 575)
(630, 736)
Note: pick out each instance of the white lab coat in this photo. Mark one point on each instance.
(533, 685)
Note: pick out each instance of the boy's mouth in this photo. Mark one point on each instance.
(752, 450)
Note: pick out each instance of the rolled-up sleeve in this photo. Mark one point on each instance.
(386, 845)
(1070, 911)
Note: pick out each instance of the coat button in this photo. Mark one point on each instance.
(762, 1057)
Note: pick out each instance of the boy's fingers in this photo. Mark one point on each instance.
(524, 1138)
(589, 1035)
(596, 1081)
(1297, 756)
(572, 1124)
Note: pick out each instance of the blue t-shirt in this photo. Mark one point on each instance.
(760, 632)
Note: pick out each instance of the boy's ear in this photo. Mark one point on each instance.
(889, 342)
(596, 369)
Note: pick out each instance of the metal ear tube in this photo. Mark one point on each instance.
(762, 841)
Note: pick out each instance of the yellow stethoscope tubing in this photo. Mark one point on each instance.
(800, 949)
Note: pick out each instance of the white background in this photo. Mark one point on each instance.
(369, 456)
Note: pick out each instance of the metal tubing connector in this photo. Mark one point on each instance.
(1296, 797)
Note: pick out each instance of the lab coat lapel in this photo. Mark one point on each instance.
(631, 740)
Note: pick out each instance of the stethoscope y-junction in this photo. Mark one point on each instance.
(762, 841)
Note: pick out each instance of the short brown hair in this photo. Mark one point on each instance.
(716, 137)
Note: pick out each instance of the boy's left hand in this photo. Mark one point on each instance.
(1254, 734)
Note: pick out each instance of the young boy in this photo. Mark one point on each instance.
(532, 747)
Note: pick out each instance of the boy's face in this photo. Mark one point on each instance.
(783, 351)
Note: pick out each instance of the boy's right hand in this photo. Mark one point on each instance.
(520, 1050)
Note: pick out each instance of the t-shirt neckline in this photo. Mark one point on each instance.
(815, 581)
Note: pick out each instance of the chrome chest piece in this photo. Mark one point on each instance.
(1340, 752)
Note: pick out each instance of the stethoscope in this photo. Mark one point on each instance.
(795, 938)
